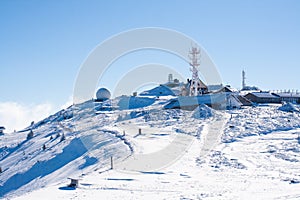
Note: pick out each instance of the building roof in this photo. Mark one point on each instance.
(227, 89)
(160, 90)
(247, 88)
(264, 95)
(215, 87)
(293, 95)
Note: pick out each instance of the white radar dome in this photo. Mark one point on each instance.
(103, 94)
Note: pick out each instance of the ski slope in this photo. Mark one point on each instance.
(235, 154)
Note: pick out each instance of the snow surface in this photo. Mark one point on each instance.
(203, 112)
(254, 154)
(160, 90)
(288, 107)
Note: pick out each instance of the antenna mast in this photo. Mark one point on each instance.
(244, 79)
(194, 55)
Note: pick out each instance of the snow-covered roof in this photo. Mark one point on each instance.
(264, 95)
(160, 90)
(288, 95)
(227, 89)
(126, 102)
(247, 88)
(215, 87)
(245, 92)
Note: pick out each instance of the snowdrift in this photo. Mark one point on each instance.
(131, 102)
(203, 112)
(289, 107)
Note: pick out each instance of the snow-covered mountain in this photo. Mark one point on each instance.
(234, 154)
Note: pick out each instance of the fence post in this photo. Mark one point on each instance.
(111, 163)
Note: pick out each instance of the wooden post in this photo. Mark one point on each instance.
(111, 163)
(140, 131)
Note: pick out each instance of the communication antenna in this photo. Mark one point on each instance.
(244, 79)
(194, 55)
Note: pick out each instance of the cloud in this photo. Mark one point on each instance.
(68, 103)
(15, 116)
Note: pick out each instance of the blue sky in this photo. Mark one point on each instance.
(44, 43)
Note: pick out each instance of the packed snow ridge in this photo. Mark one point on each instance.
(255, 152)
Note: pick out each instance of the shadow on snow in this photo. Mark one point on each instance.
(40, 169)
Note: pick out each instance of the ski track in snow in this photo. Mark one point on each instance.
(236, 154)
